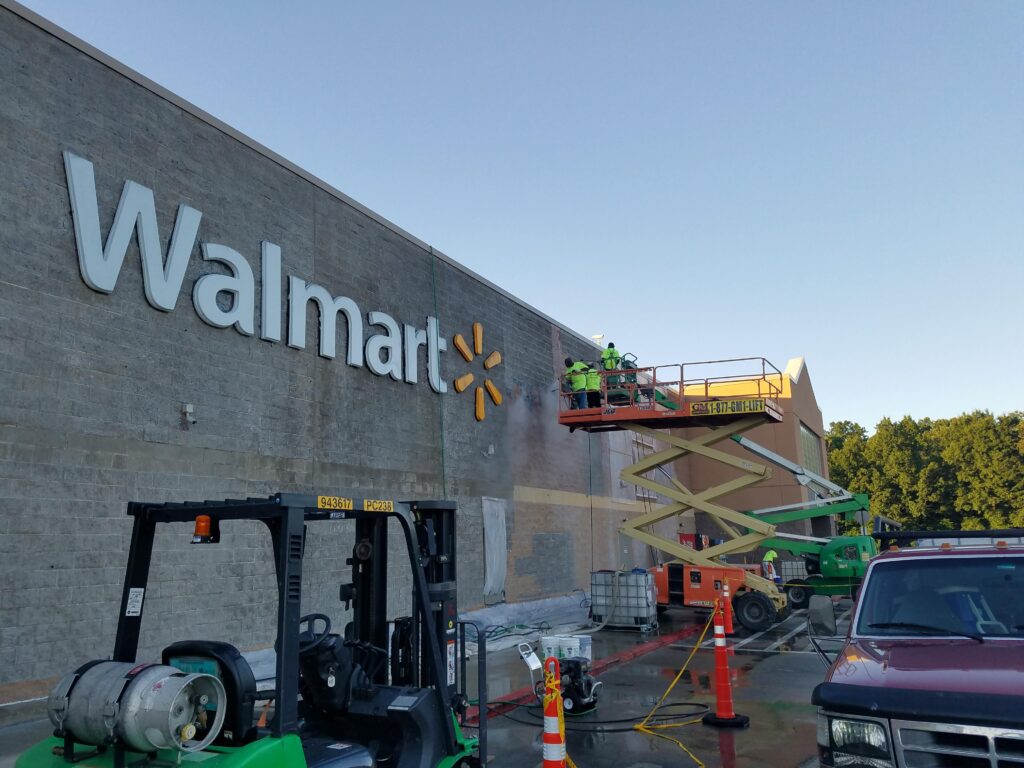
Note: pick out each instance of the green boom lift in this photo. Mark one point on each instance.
(836, 565)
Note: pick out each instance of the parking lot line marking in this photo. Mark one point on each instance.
(756, 635)
(784, 638)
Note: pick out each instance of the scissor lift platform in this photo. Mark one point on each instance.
(662, 397)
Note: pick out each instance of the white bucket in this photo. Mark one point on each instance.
(549, 646)
(586, 647)
(569, 645)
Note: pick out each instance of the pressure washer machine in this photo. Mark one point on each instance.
(579, 688)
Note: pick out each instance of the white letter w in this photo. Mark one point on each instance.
(100, 265)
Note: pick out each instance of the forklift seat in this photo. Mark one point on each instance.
(224, 661)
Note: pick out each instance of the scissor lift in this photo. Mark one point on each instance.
(644, 400)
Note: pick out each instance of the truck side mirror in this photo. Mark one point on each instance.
(821, 616)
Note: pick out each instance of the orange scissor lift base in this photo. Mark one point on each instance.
(679, 396)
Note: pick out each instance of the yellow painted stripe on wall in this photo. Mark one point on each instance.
(523, 494)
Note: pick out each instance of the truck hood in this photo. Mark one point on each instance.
(961, 666)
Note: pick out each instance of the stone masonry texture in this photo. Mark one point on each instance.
(92, 384)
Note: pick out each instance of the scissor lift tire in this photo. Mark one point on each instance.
(755, 612)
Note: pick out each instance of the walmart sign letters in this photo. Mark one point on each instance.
(392, 350)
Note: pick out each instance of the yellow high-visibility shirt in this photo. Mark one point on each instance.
(576, 375)
(610, 358)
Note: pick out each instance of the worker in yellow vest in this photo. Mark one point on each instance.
(610, 361)
(593, 387)
(576, 375)
(768, 566)
(610, 357)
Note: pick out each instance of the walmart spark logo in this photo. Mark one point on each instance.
(465, 380)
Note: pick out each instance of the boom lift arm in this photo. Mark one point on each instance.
(830, 500)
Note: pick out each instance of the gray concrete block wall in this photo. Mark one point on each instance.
(91, 385)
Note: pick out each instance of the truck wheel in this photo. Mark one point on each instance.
(755, 611)
(799, 594)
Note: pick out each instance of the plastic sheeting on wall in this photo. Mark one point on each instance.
(495, 549)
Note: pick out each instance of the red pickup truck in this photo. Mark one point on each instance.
(931, 673)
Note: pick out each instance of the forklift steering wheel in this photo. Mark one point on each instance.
(311, 639)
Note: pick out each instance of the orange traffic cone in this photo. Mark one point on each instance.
(727, 600)
(723, 715)
(553, 739)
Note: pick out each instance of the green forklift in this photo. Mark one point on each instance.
(380, 693)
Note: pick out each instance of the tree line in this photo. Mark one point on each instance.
(965, 472)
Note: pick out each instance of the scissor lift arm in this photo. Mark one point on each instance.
(743, 532)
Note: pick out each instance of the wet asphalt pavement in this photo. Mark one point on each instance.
(773, 674)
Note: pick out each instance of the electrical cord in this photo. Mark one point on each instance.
(498, 631)
(649, 724)
(586, 601)
(593, 725)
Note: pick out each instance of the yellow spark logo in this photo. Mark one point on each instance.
(465, 380)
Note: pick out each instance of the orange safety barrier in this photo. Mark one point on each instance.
(724, 715)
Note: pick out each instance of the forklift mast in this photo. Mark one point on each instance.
(435, 524)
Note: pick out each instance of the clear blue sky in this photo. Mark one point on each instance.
(841, 181)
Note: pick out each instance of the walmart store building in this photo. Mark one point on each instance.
(185, 315)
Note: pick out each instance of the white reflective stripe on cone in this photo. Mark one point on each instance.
(719, 642)
(554, 752)
(551, 724)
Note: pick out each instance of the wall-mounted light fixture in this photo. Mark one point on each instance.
(188, 415)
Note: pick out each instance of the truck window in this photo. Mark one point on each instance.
(961, 594)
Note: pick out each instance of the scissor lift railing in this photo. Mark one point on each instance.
(725, 400)
(698, 394)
